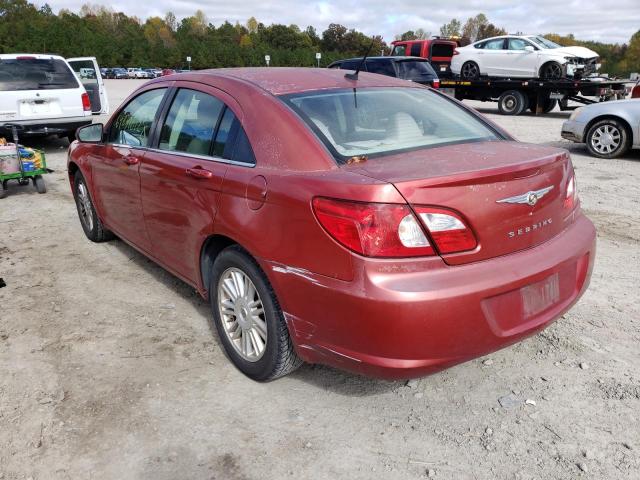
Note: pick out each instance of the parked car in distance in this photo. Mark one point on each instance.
(117, 73)
(374, 224)
(523, 56)
(407, 68)
(136, 72)
(609, 129)
(439, 51)
(167, 71)
(42, 94)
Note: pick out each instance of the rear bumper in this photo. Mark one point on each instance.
(409, 318)
(52, 126)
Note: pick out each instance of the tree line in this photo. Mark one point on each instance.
(120, 40)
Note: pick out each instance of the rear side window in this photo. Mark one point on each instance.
(441, 50)
(190, 123)
(231, 141)
(382, 67)
(29, 73)
(133, 123)
(494, 44)
(415, 49)
(350, 64)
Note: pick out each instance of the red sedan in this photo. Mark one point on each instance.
(367, 223)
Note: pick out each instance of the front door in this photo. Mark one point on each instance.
(521, 62)
(116, 177)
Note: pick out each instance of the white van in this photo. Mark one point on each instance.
(45, 95)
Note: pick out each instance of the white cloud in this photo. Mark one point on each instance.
(588, 19)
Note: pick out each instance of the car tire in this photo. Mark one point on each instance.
(551, 71)
(470, 71)
(4, 191)
(512, 102)
(259, 345)
(547, 106)
(608, 138)
(39, 183)
(91, 224)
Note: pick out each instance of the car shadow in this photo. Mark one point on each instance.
(319, 376)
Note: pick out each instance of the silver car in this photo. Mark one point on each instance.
(609, 129)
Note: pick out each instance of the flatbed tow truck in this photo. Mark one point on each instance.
(514, 96)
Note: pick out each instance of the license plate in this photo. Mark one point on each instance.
(443, 68)
(539, 296)
(556, 96)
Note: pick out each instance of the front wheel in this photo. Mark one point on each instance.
(608, 138)
(91, 224)
(551, 71)
(248, 317)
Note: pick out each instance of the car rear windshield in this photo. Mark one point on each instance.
(381, 121)
(35, 74)
(416, 70)
(441, 49)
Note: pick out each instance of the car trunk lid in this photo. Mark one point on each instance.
(491, 184)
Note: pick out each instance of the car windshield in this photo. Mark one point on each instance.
(416, 70)
(29, 73)
(543, 42)
(381, 121)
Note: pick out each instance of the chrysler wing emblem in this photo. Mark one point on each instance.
(530, 198)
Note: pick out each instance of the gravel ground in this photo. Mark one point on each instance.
(109, 368)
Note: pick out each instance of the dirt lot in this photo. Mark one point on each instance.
(109, 368)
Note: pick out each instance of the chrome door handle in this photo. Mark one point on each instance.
(130, 160)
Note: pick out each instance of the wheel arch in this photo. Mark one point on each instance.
(211, 248)
(72, 169)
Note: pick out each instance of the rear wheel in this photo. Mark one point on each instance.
(3, 189)
(608, 138)
(248, 317)
(547, 106)
(470, 71)
(512, 102)
(551, 71)
(91, 224)
(39, 183)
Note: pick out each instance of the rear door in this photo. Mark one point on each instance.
(35, 87)
(494, 57)
(88, 71)
(182, 175)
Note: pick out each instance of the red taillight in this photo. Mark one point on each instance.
(373, 229)
(448, 230)
(435, 84)
(456, 52)
(571, 196)
(86, 103)
(635, 92)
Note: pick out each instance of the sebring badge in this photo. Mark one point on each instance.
(530, 198)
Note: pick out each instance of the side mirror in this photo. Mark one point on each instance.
(529, 49)
(90, 134)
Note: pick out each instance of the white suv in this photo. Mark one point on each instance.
(44, 95)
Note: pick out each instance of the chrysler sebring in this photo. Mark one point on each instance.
(358, 221)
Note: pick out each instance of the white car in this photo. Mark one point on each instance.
(45, 95)
(523, 56)
(138, 73)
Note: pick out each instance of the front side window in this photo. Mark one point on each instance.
(191, 123)
(30, 73)
(497, 44)
(382, 121)
(399, 50)
(518, 44)
(133, 123)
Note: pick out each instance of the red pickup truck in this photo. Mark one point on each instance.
(437, 50)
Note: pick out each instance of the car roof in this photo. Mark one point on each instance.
(286, 80)
(38, 56)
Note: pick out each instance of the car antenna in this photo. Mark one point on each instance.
(354, 75)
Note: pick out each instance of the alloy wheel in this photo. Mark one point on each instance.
(552, 71)
(606, 139)
(470, 70)
(242, 314)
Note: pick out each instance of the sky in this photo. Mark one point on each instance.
(587, 20)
